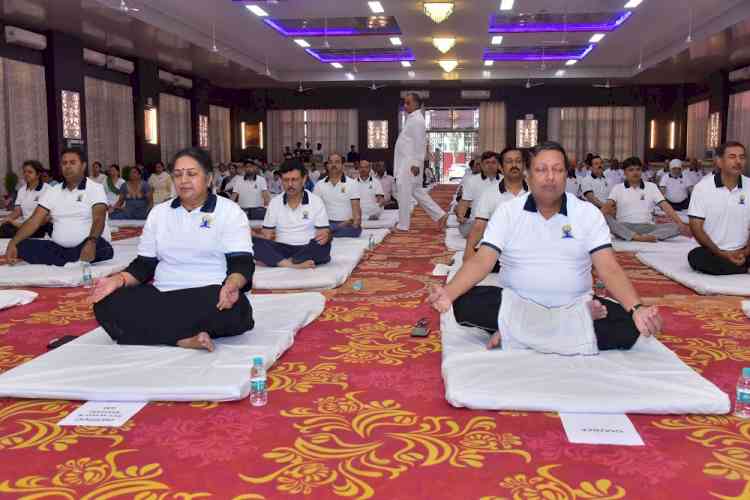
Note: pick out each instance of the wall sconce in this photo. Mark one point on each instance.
(71, 114)
(672, 134)
(714, 130)
(203, 131)
(251, 136)
(527, 132)
(652, 135)
(152, 125)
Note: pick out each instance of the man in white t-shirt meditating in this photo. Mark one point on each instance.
(371, 195)
(720, 215)
(547, 242)
(295, 231)
(77, 209)
(488, 179)
(341, 197)
(250, 192)
(633, 202)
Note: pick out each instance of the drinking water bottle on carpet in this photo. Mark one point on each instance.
(742, 403)
(258, 391)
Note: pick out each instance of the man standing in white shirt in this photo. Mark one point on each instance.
(407, 166)
(295, 231)
(488, 178)
(675, 186)
(370, 192)
(720, 216)
(633, 201)
(341, 197)
(387, 183)
(78, 211)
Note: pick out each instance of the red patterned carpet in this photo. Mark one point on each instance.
(356, 410)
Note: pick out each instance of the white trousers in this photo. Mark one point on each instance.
(566, 330)
(409, 190)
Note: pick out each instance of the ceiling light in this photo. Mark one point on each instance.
(571, 62)
(632, 4)
(412, 74)
(376, 7)
(396, 41)
(448, 65)
(258, 11)
(301, 42)
(486, 74)
(350, 76)
(438, 11)
(497, 39)
(337, 65)
(596, 38)
(506, 4)
(406, 64)
(444, 44)
(489, 62)
(560, 72)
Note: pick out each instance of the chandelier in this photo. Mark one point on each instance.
(448, 65)
(438, 11)
(444, 44)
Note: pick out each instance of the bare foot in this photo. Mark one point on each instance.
(494, 340)
(598, 311)
(308, 264)
(200, 341)
(646, 238)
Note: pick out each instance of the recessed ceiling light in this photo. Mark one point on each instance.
(448, 65)
(506, 4)
(395, 41)
(596, 38)
(301, 42)
(406, 64)
(571, 62)
(444, 44)
(258, 11)
(337, 65)
(412, 74)
(497, 39)
(489, 63)
(486, 74)
(376, 7)
(632, 4)
(560, 72)
(350, 76)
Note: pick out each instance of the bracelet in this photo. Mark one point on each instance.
(635, 308)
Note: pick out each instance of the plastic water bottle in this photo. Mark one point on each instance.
(358, 286)
(371, 245)
(87, 281)
(258, 392)
(742, 404)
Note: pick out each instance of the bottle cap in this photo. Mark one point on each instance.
(258, 360)
(746, 372)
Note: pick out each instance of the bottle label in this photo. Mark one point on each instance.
(258, 385)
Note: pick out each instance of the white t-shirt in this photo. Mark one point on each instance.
(725, 213)
(635, 204)
(369, 190)
(492, 198)
(477, 184)
(250, 191)
(296, 226)
(70, 211)
(28, 199)
(192, 247)
(99, 179)
(338, 197)
(387, 183)
(113, 196)
(675, 188)
(547, 261)
(597, 185)
(573, 186)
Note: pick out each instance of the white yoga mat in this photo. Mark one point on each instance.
(647, 379)
(683, 214)
(452, 220)
(94, 368)
(345, 255)
(679, 244)
(69, 276)
(127, 223)
(388, 219)
(453, 240)
(12, 298)
(675, 266)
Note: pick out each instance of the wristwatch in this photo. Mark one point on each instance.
(635, 308)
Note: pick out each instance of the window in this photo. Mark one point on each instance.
(714, 130)
(152, 136)
(527, 132)
(71, 114)
(203, 131)
(377, 134)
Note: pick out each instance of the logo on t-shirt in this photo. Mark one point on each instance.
(206, 222)
(80, 198)
(643, 196)
(742, 199)
(305, 215)
(567, 231)
(343, 189)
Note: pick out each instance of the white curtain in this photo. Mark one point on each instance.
(612, 132)
(697, 129)
(175, 131)
(335, 129)
(23, 116)
(492, 126)
(220, 134)
(110, 128)
(738, 125)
